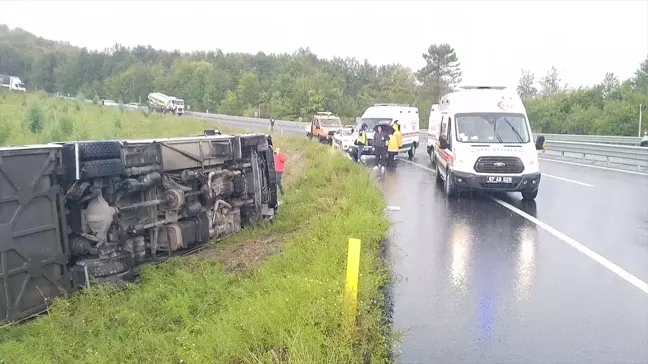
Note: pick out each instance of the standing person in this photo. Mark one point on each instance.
(380, 147)
(279, 162)
(361, 142)
(392, 148)
(271, 124)
(394, 144)
(399, 135)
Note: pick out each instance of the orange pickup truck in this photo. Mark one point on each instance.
(323, 126)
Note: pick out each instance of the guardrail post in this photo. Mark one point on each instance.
(352, 273)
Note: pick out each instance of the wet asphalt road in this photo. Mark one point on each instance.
(478, 283)
(475, 282)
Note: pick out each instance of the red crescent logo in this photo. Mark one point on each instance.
(504, 105)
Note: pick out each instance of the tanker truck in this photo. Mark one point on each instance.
(165, 104)
(12, 83)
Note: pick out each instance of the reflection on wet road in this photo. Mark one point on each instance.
(477, 283)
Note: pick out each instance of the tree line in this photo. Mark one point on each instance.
(289, 86)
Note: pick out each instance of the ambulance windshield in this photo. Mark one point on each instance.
(372, 122)
(492, 128)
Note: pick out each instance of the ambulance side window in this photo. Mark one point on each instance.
(443, 129)
(449, 133)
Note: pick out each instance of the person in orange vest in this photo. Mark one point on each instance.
(279, 162)
(392, 146)
(399, 135)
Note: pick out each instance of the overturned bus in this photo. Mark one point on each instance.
(76, 213)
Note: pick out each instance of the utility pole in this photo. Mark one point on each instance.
(642, 107)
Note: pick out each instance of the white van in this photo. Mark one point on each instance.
(434, 122)
(485, 143)
(386, 114)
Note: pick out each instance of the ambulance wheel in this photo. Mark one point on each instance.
(439, 180)
(432, 160)
(410, 153)
(530, 195)
(310, 136)
(448, 188)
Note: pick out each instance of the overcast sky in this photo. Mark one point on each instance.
(493, 40)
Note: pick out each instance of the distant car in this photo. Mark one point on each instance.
(136, 106)
(343, 138)
(644, 141)
(109, 103)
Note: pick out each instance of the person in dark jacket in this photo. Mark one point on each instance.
(380, 146)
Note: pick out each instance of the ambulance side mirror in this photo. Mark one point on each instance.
(539, 144)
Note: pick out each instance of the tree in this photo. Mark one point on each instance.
(550, 83)
(641, 77)
(609, 85)
(290, 86)
(526, 85)
(442, 70)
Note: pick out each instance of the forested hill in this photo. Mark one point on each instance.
(288, 86)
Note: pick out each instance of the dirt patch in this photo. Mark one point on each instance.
(242, 256)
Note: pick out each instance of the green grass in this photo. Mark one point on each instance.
(37, 118)
(287, 309)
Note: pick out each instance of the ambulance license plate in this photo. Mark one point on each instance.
(499, 179)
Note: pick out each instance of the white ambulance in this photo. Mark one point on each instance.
(485, 143)
(433, 129)
(385, 115)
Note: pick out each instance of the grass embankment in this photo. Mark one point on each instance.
(37, 118)
(272, 293)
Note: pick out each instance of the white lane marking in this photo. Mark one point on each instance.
(418, 165)
(598, 167)
(568, 180)
(580, 247)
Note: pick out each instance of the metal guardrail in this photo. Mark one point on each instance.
(599, 139)
(610, 155)
(290, 127)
